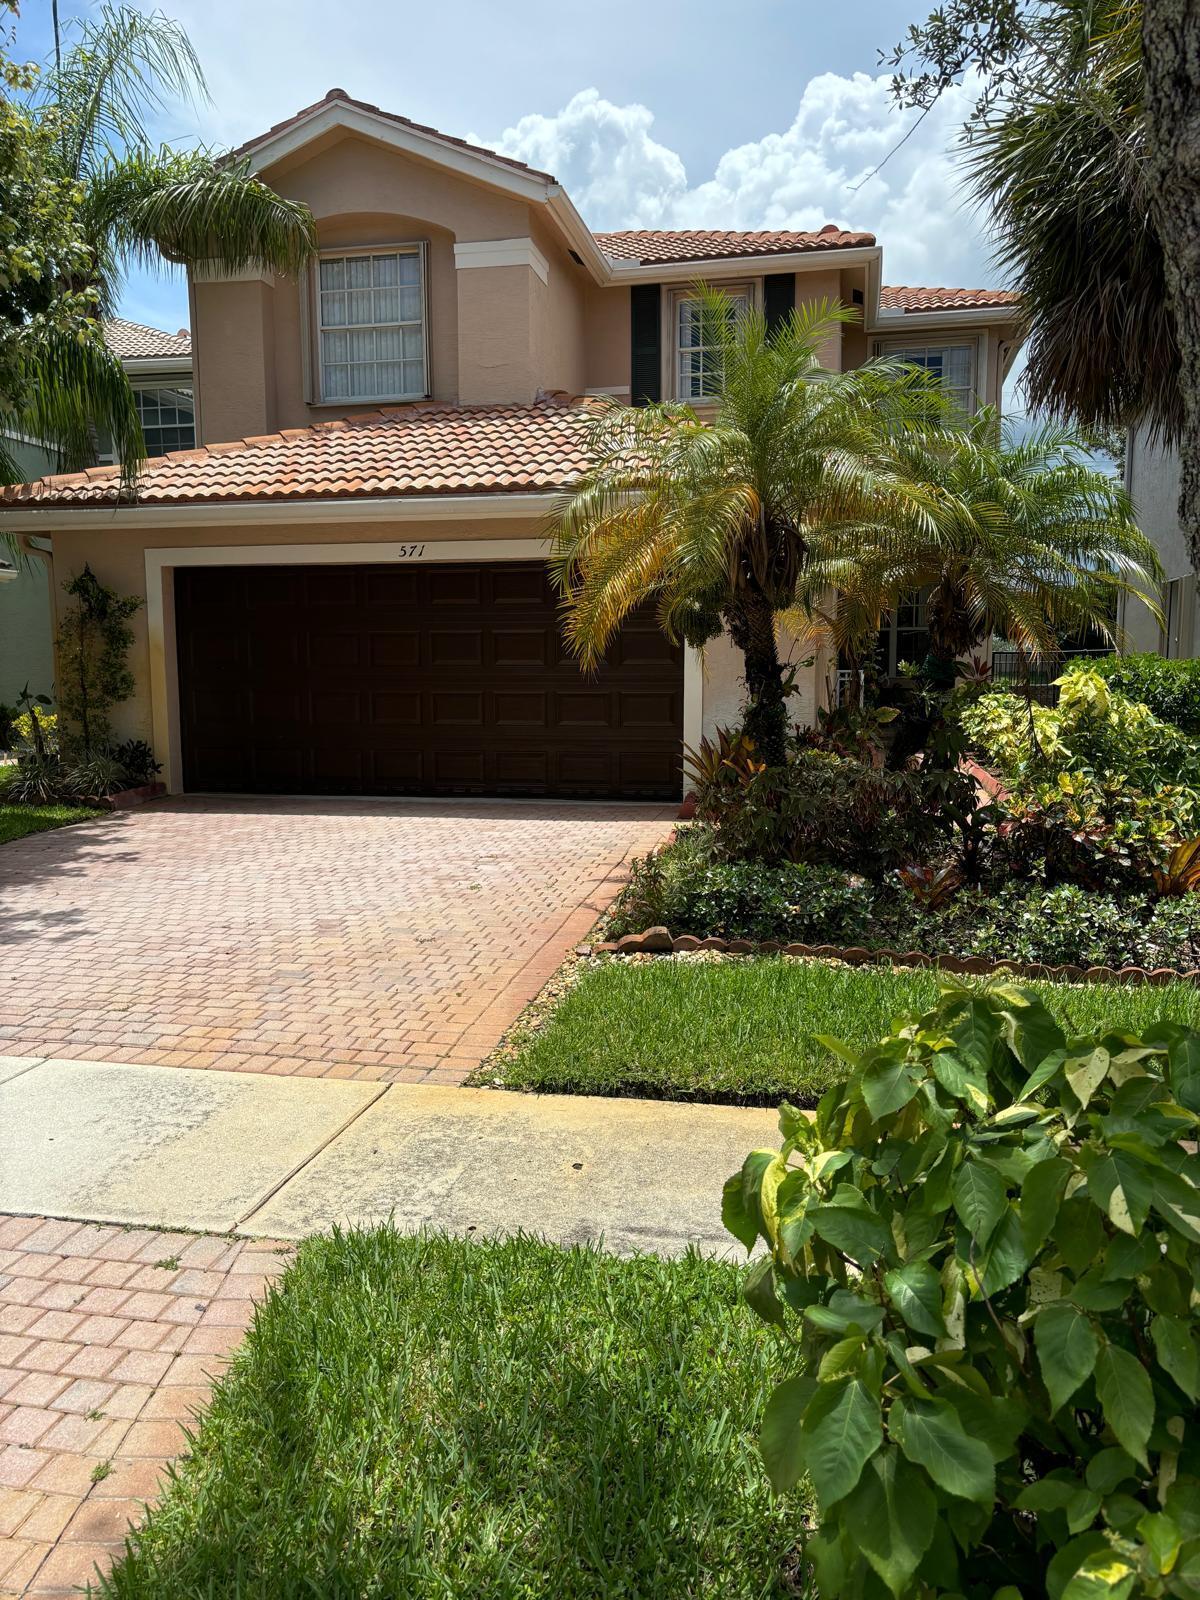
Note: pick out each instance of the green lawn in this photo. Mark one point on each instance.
(427, 1417)
(18, 820)
(744, 1031)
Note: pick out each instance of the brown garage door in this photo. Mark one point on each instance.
(438, 679)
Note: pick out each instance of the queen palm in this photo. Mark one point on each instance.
(135, 202)
(711, 517)
(1018, 537)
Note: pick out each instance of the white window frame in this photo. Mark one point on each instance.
(898, 346)
(141, 382)
(316, 375)
(751, 288)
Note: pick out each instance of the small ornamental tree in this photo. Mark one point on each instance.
(987, 1248)
(93, 675)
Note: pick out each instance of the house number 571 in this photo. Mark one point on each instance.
(410, 552)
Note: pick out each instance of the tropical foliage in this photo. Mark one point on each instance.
(711, 518)
(1014, 536)
(83, 192)
(1074, 153)
(984, 1250)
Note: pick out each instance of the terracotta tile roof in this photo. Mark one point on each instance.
(904, 297)
(333, 96)
(650, 246)
(409, 450)
(131, 340)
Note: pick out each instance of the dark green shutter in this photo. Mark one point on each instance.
(645, 356)
(779, 298)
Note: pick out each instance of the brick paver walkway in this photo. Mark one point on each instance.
(381, 941)
(108, 1338)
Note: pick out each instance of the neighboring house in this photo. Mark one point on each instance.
(160, 370)
(344, 584)
(1152, 478)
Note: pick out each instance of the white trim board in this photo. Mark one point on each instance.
(248, 512)
(160, 614)
(501, 253)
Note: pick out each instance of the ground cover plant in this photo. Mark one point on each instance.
(985, 1249)
(744, 1030)
(434, 1417)
(17, 820)
(688, 888)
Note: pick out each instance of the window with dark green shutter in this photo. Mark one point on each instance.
(645, 356)
(779, 298)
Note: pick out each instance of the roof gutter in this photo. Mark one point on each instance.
(964, 316)
(266, 513)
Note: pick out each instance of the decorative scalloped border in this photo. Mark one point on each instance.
(660, 941)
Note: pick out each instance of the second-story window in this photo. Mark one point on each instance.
(371, 326)
(952, 365)
(698, 362)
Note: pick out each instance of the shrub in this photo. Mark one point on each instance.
(1170, 688)
(818, 807)
(1063, 925)
(1082, 829)
(1093, 729)
(684, 888)
(137, 762)
(93, 641)
(8, 733)
(988, 1242)
(38, 779)
(93, 779)
(47, 724)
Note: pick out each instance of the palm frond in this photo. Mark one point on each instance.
(66, 386)
(122, 66)
(189, 207)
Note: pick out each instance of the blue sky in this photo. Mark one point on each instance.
(652, 112)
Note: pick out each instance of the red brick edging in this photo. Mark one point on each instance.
(660, 941)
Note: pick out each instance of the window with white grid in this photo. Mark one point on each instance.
(697, 363)
(371, 326)
(952, 365)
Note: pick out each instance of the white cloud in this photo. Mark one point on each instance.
(620, 176)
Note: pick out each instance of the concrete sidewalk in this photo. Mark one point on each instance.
(241, 1153)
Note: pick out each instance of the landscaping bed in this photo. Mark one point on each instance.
(18, 820)
(744, 1030)
(428, 1416)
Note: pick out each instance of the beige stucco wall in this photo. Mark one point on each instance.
(606, 337)
(495, 333)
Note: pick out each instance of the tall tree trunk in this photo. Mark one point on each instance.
(751, 624)
(1171, 56)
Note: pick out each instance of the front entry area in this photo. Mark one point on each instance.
(414, 678)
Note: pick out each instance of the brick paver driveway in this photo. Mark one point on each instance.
(354, 939)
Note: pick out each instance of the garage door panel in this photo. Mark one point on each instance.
(526, 647)
(400, 649)
(518, 586)
(416, 679)
(516, 708)
(332, 652)
(461, 648)
(401, 706)
(456, 585)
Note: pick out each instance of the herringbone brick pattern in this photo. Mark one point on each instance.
(109, 1338)
(391, 942)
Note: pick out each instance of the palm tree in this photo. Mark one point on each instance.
(135, 202)
(1017, 537)
(711, 518)
(1060, 172)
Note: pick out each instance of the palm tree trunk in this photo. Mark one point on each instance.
(751, 624)
(1171, 53)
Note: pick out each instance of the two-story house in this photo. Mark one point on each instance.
(344, 583)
